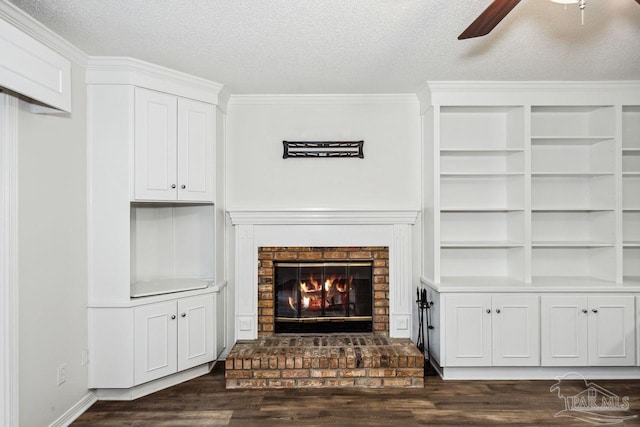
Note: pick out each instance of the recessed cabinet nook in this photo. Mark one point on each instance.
(157, 297)
(531, 227)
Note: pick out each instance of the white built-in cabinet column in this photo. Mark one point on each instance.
(155, 231)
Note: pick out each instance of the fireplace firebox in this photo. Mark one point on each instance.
(335, 296)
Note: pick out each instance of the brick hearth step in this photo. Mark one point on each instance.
(313, 361)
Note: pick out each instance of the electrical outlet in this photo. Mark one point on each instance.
(84, 357)
(62, 373)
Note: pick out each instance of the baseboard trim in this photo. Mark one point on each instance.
(539, 373)
(75, 411)
(153, 386)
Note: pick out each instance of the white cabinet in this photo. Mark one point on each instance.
(173, 336)
(485, 330)
(588, 331)
(174, 148)
(155, 335)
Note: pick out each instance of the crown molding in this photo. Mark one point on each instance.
(324, 99)
(521, 86)
(322, 216)
(129, 71)
(515, 93)
(25, 23)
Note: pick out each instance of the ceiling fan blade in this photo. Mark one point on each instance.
(488, 19)
(638, 1)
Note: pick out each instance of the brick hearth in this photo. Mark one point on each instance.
(312, 361)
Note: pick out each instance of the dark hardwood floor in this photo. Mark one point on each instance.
(204, 401)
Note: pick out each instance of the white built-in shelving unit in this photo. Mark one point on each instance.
(631, 193)
(531, 228)
(573, 153)
(534, 190)
(481, 193)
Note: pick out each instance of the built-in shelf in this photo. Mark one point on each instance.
(479, 244)
(631, 244)
(570, 244)
(479, 151)
(570, 281)
(480, 175)
(569, 140)
(481, 209)
(570, 174)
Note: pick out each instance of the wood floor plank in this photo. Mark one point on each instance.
(204, 401)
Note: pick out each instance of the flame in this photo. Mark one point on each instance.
(305, 303)
(327, 285)
(316, 286)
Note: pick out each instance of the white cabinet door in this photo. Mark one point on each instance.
(564, 331)
(195, 331)
(156, 327)
(155, 164)
(515, 326)
(196, 130)
(468, 330)
(611, 331)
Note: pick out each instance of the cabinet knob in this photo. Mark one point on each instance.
(183, 315)
(173, 186)
(183, 186)
(594, 310)
(173, 316)
(498, 310)
(488, 310)
(584, 310)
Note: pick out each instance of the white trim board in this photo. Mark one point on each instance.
(76, 410)
(9, 260)
(324, 99)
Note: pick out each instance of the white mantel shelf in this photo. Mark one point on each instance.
(322, 227)
(321, 216)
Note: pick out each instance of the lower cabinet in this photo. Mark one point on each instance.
(173, 336)
(129, 346)
(588, 330)
(491, 330)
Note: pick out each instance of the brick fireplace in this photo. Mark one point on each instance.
(322, 228)
(384, 357)
(378, 311)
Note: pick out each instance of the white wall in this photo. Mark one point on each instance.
(52, 258)
(387, 178)
(257, 176)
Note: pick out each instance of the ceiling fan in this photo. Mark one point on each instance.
(496, 11)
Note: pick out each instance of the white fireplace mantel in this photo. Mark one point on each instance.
(322, 216)
(255, 228)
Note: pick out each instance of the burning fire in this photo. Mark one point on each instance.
(335, 293)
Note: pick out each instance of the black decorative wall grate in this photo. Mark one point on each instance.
(323, 149)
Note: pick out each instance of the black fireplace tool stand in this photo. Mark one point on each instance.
(424, 308)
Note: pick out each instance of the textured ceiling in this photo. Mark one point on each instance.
(352, 46)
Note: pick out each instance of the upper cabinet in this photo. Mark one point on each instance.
(174, 148)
